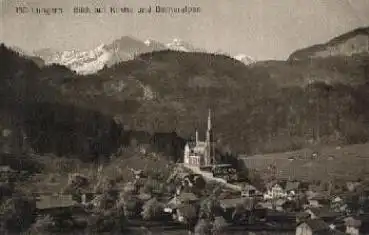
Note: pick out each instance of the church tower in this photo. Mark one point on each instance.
(209, 157)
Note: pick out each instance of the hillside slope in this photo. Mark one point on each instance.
(269, 106)
(37, 116)
(265, 107)
(351, 43)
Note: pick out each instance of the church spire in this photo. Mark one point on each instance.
(209, 120)
(209, 142)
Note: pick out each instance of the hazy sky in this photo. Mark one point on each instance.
(263, 29)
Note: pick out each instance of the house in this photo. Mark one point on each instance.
(290, 206)
(178, 204)
(313, 227)
(231, 203)
(250, 191)
(281, 219)
(323, 213)
(338, 204)
(57, 204)
(316, 227)
(228, 193)
(291, 159)
(87, 197)
(318, 200)
(193, 180)
(292, 188)
(138, 174)
(353, 225)
(187, 197)
(7, 173)
(177, 200)
(200, 153)
(274, 204)
(275, 190)
(302, 217)
(352, 186)
(357, 224)
(182, 210)
(230, 206)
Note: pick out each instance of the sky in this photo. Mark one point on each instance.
(262, 29)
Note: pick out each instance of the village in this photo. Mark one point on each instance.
(199, 195)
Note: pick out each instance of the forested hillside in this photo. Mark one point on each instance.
(266, 107)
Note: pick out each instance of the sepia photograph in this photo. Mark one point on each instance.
(184, 117)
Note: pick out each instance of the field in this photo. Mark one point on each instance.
(346, 162)
(55, 171)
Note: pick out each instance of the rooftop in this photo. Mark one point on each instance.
(231, 202)
(292, 185)
(55, 201)
(317, 225)
(5, 168)
(187, 197)
(324, 212)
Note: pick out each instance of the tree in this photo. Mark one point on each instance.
(108, 221)
(189, 213)
(209, 207)
(43, 225)
(203, 227)
(301, 200)
(152, 209)
(245, 210)
(132, 206)
(218, 225)
(255, 179)
(5, 190)
(19, 213)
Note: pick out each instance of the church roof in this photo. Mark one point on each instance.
(191, 144)
(199, 147)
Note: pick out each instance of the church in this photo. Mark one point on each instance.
(200, 153)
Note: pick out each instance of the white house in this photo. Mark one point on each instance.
(274, 191)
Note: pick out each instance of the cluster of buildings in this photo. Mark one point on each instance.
(287, 205)
(280, 204)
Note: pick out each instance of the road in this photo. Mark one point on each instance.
(209, 177)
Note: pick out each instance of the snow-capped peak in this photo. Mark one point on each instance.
(82, 62)
(147, 42)
(179, 45)
(244, 59)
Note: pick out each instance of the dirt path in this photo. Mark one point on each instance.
(209, 177)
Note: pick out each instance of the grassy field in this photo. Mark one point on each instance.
(346, 162)
(54, 176)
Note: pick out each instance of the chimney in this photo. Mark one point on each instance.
(197, 136)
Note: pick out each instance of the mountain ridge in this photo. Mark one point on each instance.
(268, 106)
(122, 49)
(353, 42)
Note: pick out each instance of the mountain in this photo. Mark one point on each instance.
(39, 116)
(268, 106)
(155, 45)
(123, 49)
(29, 56)
(82, 62)
(91, 61)
(351, 43)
